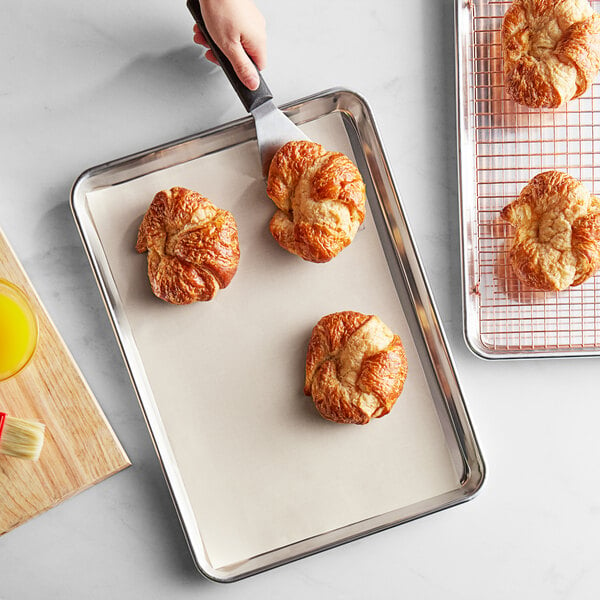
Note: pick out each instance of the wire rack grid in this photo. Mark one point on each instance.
(511, 145)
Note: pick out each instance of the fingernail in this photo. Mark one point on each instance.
(253, 81)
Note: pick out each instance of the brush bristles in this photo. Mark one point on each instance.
(22, 438)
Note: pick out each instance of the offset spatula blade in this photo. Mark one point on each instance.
(273, 128)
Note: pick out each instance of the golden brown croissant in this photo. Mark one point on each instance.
(557, 238)
(355, 367)
(551, 50)
(193, 248)
(321, 200)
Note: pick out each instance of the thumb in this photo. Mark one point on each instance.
(243, 66)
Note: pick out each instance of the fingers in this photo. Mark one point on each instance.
(256, 48)
(201, 40)
(199, 37)
(238, 28)
(242, 65)
(238, 57)
(211, 57)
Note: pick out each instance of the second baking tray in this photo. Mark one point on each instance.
(257, 476)
(501, 147)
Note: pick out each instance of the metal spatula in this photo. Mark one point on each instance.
(273, 128)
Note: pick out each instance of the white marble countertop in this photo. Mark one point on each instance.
(83, 83)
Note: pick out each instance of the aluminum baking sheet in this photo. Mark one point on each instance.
(257, 476)
(501, 147)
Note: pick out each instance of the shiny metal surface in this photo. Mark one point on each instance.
(273, 130)
(501, 146)
(413, 293)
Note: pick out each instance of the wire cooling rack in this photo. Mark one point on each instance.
(504, 145)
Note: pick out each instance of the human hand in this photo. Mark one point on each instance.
(238, 28)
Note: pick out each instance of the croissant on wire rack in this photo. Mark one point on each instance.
(193, 248)
(355, 367)
(551, 50)
(320, 197)
(557, 238)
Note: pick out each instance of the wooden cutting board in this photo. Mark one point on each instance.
(80, 448)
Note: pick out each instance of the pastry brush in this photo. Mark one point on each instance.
(273, 128)
(20, 438)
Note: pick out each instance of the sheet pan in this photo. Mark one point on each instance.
(257, 477)
(501, 146)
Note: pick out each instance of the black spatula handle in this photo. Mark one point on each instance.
(250, 99)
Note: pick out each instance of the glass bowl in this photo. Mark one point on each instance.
(18, 330)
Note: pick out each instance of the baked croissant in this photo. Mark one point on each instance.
(320, 197)
(551, 50)
(355, 367)
(557, 239)
(193, 248)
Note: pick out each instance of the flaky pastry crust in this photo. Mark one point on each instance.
(193, 248)
(551, 50)
(355, 367)
(320, 197)
(557, 239)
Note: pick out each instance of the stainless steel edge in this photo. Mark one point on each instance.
(409, 263)
(466, 174)
(135, 370)
(415, 278)
(467, 199)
